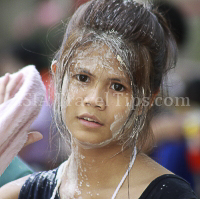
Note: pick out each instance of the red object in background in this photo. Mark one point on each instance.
(46, 78)
(193, 157)
(79, 2)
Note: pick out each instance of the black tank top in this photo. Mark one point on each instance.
(42, 185)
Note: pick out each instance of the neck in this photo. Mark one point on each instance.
(93, 166)
(106, 160)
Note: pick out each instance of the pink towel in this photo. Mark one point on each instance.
(17, 114)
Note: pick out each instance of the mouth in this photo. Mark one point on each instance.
(90, 121)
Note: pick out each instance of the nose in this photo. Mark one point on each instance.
(96, 98)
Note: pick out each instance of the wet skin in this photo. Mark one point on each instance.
(99, 95)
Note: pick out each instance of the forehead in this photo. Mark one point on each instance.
(97, 56)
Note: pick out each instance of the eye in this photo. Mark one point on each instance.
(82, 78)
(118, 87)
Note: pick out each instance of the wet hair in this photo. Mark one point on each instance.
(137, 33)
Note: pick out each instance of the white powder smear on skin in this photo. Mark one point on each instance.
(119, 121)
(71, 184)
(115, 126)
(84, 60)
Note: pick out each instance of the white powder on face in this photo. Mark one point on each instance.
(120, 60)
(91, 60)
(119, 121)
(114, 127)
(95, 60)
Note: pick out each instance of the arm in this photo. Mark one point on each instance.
(17, 169)
(12, 189)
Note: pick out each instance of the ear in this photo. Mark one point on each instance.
(54, 66)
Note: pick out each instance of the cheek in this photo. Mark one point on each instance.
(68, 95)
(119, 120)
(71, 99)
(75, 93)
(121, 113)
(72, 94)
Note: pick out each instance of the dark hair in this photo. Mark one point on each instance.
(136, 32)
(176, 20)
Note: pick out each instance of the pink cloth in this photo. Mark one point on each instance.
(17, 114)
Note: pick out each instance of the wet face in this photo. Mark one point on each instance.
(98, 96)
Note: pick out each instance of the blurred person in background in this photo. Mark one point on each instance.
(169, 126)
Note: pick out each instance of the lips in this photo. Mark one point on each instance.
(90, 120)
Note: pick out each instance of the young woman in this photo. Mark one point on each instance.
(107, 74)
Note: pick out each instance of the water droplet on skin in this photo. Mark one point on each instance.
(79, 193)
(86, 177)
(87, 184)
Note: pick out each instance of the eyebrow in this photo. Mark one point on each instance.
(79, 69)
(87, 72)
(119, 80)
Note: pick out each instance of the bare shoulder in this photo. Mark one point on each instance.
(11, 190)
(144, 171)
(148, 168)
(149, 165)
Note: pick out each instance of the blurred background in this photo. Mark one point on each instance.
(31, 33)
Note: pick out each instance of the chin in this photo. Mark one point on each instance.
(93, 143)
